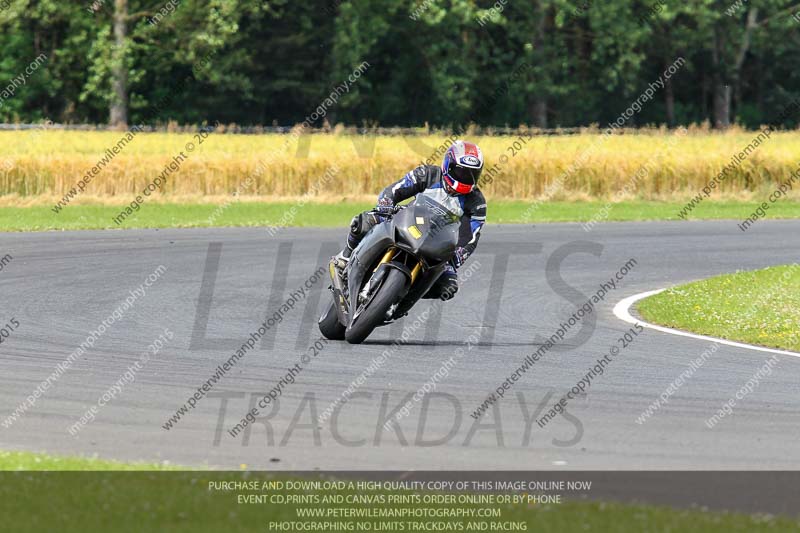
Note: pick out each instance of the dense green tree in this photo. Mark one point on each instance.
(548, 63)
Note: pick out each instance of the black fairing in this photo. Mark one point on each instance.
(368, 252)
(438, 229)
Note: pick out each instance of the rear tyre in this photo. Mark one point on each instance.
(329, 324)
(389, 293)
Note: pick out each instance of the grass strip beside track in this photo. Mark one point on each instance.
(29, 461)
(759, 307)
(182, 502)
(311, 214)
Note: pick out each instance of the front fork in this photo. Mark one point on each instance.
(338, 288)
(390, 254)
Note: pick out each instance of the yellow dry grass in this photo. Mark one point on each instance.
(40, 166)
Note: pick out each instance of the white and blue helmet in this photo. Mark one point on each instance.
(461, 168)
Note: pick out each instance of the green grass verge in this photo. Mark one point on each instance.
(42, 218)
(183, 502)
(759, 307)
(28, 461)
(180, 501)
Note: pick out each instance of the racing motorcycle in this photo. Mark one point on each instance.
(393, 266)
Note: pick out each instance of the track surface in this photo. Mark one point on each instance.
(60, 286)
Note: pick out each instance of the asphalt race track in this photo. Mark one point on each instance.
(220, 284)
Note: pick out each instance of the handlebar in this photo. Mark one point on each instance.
(388, 210)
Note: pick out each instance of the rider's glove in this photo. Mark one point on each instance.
(460, 256)
(385, 206)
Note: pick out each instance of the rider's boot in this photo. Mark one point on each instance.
(341, 259)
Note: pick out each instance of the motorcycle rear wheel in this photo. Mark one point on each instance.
(329, 324)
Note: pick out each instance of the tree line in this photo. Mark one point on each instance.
(545, 63)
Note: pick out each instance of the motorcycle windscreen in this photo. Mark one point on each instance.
(427, 229)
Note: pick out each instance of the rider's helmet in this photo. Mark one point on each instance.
(461, 168)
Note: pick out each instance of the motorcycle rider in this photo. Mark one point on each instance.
(454, 185)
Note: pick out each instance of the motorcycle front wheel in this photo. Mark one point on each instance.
(390, 292)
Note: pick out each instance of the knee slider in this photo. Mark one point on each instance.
(355, 225)
(362, 223)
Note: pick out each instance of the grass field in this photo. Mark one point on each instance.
(642, 164)
(165, 215)
(182, 502)
(760, 307)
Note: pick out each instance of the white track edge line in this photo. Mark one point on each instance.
(623, 311)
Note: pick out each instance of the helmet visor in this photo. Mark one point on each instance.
(457, 186)
(465, 175)
(461, 179)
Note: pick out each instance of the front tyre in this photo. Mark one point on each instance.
(390, 292)
(329, 324)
